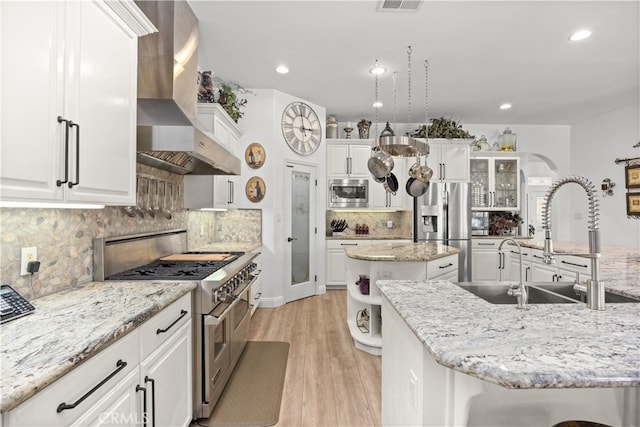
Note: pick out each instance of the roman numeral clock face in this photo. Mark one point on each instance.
(301, 128)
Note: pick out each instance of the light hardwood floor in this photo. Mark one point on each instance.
(328, 382)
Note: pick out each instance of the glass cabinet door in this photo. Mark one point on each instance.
(505, 174)
(479, 182)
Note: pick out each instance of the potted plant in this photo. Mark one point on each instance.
(441, 127)
(504, 223)
(214, 89)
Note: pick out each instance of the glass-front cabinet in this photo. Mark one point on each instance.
(495, 183)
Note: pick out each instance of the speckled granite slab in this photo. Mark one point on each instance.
(71, 326)
(547, 346)
(230, 246)
(619, 265)
(401, 252)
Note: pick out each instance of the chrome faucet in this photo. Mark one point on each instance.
(519, 292)
(595, 288)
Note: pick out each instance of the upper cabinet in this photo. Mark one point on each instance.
(215, 191)
(380, 198)
(449, 159)
(72, 136)
(347, 158)
(495, 183)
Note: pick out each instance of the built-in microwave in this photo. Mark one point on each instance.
(479, 223)
(348, 193)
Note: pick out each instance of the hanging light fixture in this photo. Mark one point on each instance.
(403, 146)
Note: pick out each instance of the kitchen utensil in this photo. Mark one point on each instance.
(380, 164)
(416, 188)
(379, 180)
(391, 183)
(149, 209)
(163, 204)
(138, 208)
(420, 172)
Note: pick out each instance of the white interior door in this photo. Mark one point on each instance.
(300, 223)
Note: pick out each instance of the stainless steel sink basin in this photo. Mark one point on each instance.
(566, 289)
(496, 293)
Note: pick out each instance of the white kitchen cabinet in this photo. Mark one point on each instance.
(486, 262)
(73, 137)
(449, 159)
(215, 191)
(379, 198)
(347, 158)
(445, 268)
(495, 183)
(513, 263)
(566, 268)
(336, 263)
(159, 350)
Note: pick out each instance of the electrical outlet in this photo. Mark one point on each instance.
(27, 255)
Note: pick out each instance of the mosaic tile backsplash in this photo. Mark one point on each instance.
(64, 237)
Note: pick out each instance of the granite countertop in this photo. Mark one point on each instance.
(401, 252)
(619, 265)
(69, 327)
(547, 346)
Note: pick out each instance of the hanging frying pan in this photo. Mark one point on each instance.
(416, 188)
(380, 164)
(391, 183)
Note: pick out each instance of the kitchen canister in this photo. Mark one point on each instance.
(507, 140)
(363, 128)
(332, 127)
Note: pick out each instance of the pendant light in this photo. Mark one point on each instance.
(403, 146)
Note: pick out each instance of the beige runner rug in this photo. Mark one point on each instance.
(253, 394)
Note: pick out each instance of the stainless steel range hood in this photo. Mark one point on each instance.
(168, 135)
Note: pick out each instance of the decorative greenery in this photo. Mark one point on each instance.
(214, 89)
(442, 127)
(503, 223)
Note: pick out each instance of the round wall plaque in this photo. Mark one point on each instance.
(255, 189)
(254, 155)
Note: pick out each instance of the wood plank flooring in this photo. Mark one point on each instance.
(328, 382)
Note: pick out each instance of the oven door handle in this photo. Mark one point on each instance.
(211, 320)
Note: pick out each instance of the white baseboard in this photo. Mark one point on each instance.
(271, 302)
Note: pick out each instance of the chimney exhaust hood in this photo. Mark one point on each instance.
(168, 134)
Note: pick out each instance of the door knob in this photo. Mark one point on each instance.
(290, 239)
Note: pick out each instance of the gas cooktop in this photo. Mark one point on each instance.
(172, 270)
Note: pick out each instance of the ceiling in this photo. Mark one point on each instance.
(481, 54)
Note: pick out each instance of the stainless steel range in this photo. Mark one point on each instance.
(221, 307)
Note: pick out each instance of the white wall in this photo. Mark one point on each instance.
(595, 144)
(261, 123)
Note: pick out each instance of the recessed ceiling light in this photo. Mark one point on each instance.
(282, 69)
(580, 35)
(377, 70)
(377, 104)
(505, 106)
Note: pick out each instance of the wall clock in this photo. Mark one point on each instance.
(301, 128)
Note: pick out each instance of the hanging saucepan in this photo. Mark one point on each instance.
(416, 188)
(379, 180)
(391, 183)
(420, 172)
(380, 163)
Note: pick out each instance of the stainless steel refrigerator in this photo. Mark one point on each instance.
(443, 215)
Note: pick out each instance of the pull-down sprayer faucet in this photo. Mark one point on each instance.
(595, 288)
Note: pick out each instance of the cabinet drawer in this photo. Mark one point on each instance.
(150, 339)
(41, 409)
(485, 243)
(441, 266)
(344, 244)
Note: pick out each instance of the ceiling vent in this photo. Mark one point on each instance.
(400, 5)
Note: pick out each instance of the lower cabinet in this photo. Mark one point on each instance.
(144, 378)
(363, 310)
(487, 263)
(336, 261)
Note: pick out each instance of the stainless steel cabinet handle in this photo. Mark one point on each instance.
(77, 126)
(162, 331)
(486, 244)
(348, 244)
(526, 274)
(120, 365)
(66, 151)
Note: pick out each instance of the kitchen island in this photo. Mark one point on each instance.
(451, 358)
(390, 260)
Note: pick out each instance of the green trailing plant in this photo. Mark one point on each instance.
(441, 127)
(227, 94)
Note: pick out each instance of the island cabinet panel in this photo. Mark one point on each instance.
(418, 391)
(336, 273)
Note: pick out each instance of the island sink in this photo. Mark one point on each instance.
(567, 290)
(496, 293)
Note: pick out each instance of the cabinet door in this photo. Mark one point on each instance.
(513, 269)
(167, 375)
(434, 161)
(485, 265)
(101, 97)
(337, 161)
(121, 407)
(505, 183)
(455, 160)
(359, 156)
(336, 267)
(32, 152)
(543, 273)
